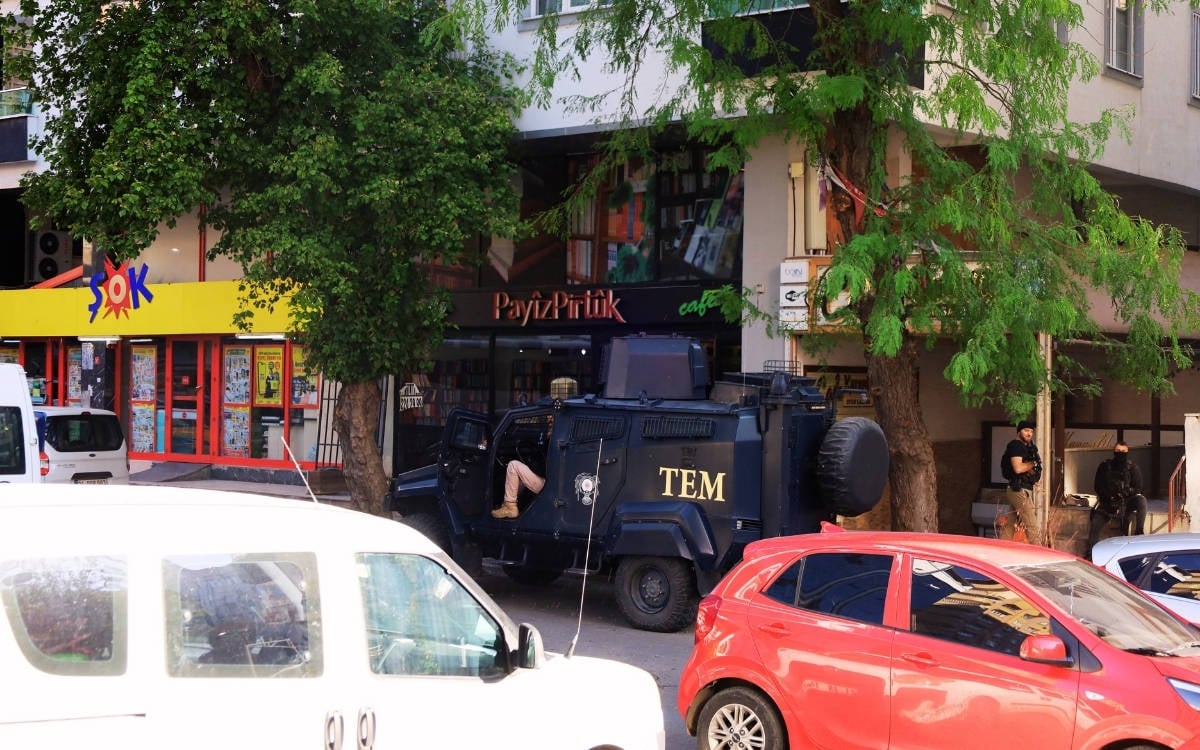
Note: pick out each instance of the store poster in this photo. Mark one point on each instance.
(235, 412)
(37, 390)
(237, 374)
(235, 431)
(10, 355)
(268, 375)
(143, 392)
(306, 385)
(74, 373)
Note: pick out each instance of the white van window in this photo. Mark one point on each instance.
(68, 613)
(243, 615)
(421, 621)
(86, 432)
(12, 441)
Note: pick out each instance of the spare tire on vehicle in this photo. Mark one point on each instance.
(852, 466)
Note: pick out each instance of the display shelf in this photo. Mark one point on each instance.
(691, 200)
(463, 383)
(533, 377)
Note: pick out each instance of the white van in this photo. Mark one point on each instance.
(84, 446)
(150, 617)
(18, 430)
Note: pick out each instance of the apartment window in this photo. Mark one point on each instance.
(1125, 30)
(538, 8)
(1196, 54)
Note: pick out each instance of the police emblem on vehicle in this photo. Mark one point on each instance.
(585, 487)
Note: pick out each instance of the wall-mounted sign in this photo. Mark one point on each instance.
(595, 304)
(793, 295)
(410, 397)
(118, 289)
(793, 272)
(578, 307)
(793, 318)
(700, 307)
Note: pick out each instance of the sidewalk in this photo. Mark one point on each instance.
(143, 472)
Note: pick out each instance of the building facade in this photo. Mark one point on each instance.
(644, 257)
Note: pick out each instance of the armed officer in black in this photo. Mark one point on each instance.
(1021, 466)
(1119, 495)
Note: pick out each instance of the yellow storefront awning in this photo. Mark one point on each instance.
(205, 307)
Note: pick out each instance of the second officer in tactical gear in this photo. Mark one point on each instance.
(1119, 495)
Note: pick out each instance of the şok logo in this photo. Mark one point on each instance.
(118, 289)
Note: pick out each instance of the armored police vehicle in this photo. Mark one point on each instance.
(653, 480)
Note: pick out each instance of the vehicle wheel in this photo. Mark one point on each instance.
(656, 593)
(739, 717)
(852, 466)
(432, 526)
(531, 576)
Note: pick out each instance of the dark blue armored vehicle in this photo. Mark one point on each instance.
(658, 480)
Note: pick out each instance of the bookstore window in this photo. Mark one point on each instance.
(673, 219)
(459, 377)
(540, 366)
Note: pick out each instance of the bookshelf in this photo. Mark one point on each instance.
(610, 239)
(531, 378)
(464, 383)
(699, 216)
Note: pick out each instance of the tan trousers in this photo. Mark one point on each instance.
(518, 475)
(1022, 505)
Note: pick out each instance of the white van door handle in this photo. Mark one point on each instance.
(366, 729)
(334, 730)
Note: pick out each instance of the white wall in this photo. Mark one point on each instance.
(1166, 130)
(654, 86)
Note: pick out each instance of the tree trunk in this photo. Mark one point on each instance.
(912, 474)
(356, 419)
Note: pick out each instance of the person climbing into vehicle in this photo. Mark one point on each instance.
(517, 475)
(1021, 466)
(1118, 486)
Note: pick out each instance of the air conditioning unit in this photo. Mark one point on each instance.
(51, 253)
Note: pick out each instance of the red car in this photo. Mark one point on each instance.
(870, 640)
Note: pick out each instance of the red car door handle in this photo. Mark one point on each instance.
(924, 659)
(777, 629)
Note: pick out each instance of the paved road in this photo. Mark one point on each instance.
(554, 610)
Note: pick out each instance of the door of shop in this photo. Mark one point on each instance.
(188, 363)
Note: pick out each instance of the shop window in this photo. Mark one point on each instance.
(537, 366)
(673, 218)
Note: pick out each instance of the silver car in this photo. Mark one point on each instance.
(1165, 566)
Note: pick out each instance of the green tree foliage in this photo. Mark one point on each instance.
(983, 245)
(337, 145)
